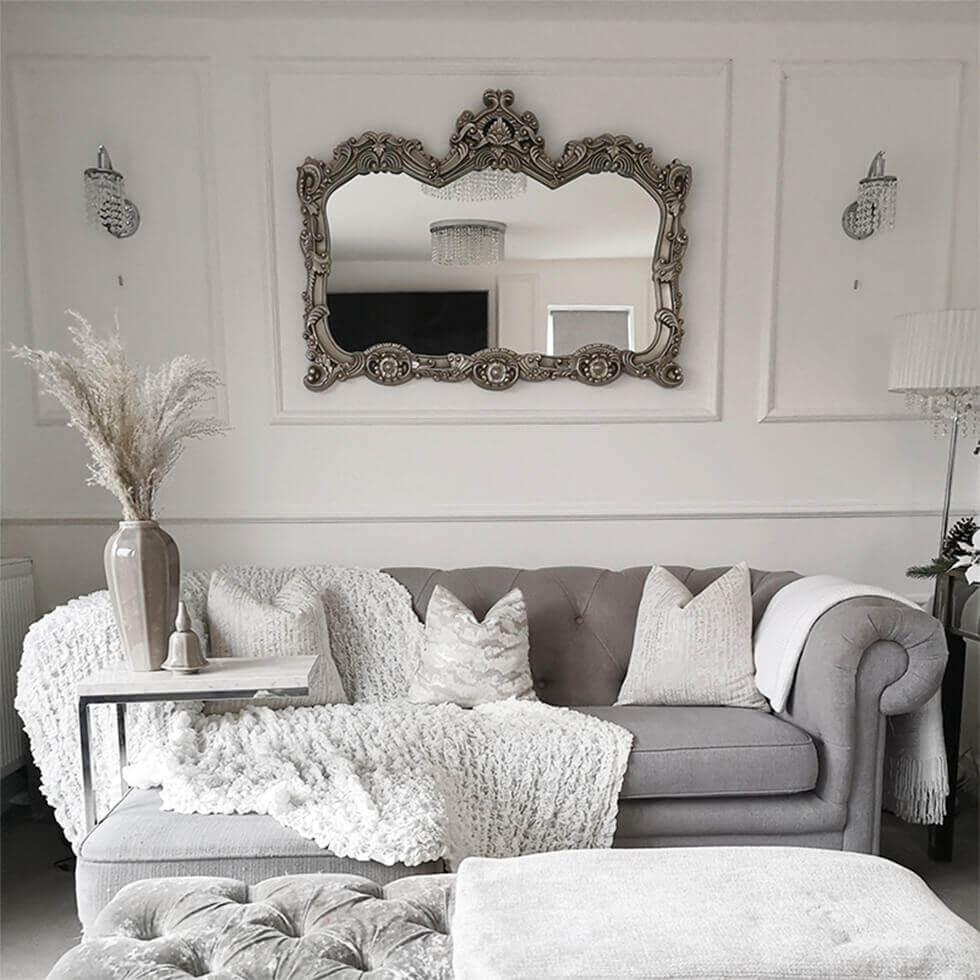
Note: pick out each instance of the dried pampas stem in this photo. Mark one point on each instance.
(133, 421)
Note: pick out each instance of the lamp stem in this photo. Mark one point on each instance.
(950, 460)
(940, 594)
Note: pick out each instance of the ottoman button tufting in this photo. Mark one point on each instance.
(254, 939)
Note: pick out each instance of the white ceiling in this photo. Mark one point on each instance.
(386, 217)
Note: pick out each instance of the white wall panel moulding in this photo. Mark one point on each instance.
(815, 510)
(152, 285)
(826, 340)
(281, 82)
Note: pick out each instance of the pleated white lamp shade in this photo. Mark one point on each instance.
(936, 362)
(937, 352)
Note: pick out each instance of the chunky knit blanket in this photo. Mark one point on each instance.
(377, 778)
(402, 783)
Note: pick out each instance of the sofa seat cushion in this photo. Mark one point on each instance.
(137, 839)
(697, 751)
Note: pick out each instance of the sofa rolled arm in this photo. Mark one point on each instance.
(864, 658)
(856, 628)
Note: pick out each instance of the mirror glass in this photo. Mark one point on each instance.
(574, 264)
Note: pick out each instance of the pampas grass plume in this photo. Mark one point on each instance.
(133, 421)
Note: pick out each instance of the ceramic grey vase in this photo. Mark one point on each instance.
(142, 568)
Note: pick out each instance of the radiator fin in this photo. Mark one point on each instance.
(17, 612)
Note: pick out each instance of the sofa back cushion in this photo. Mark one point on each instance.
(581, 620)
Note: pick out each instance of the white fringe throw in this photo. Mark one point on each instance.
(916, 777)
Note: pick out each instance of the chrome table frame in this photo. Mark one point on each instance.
(120, 698)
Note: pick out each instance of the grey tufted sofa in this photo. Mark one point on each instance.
(810, 775)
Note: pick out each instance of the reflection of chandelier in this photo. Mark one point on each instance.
(480, 185)
(467, 241)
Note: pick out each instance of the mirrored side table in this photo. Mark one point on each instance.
(953, 593)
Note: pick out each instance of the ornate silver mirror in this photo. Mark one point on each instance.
(411, 272)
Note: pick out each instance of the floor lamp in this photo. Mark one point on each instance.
(936, 363)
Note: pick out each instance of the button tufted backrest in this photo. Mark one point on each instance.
(581, 619)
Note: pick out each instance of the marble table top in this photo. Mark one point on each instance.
(239, 676)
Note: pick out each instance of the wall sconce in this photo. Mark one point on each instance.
(106, 201)
(877, 196)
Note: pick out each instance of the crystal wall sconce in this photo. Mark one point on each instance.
(875, 204)
(106, 201)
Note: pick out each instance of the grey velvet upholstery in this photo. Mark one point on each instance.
(581, 620)
(300, 927)
(811, 776)
(865, 658)
(706, 752)
(140, 840)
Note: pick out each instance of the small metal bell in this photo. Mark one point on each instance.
(184, 651)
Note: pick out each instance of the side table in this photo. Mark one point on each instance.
(222, 680)
(952, 595)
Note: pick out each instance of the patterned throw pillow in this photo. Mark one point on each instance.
(290, 624)
(693, 649)
(471, 663)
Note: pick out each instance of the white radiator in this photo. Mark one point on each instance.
(17, 612)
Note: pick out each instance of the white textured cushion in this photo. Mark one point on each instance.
(290, 624)
(693, 649)
(471, 663)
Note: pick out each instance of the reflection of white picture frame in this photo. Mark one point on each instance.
(626, 312)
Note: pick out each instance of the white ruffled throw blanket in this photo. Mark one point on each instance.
(403, 783)
(379, 779)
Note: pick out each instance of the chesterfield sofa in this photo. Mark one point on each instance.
(810, 775)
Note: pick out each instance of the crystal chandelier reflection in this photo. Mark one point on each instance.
(876, 202)
(480, 185)
(467, 241)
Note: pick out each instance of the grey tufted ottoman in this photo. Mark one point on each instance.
(297, 927)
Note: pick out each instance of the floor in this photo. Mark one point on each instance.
(37, 912)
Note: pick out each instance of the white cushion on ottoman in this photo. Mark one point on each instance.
(703, 912)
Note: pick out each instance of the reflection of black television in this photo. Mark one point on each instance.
(428, 323)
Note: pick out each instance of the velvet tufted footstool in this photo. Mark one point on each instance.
(300, 927)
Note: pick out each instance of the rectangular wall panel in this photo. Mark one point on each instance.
(681, 108)
(834, 300)
(152, 115)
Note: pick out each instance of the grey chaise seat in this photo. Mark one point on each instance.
(810, 775)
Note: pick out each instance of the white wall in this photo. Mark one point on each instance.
(782, 447)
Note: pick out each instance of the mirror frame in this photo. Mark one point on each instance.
(496, 137)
